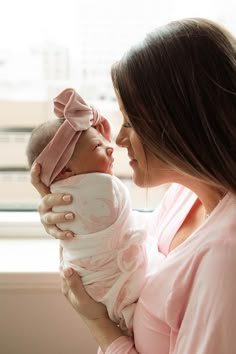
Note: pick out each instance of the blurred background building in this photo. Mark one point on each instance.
(72, 44)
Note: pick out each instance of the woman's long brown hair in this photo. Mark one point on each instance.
(178, 88)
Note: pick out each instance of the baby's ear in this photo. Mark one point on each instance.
(65, 173)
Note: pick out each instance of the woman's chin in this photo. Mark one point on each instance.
(139, 181)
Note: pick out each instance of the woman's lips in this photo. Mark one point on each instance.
(132, 162)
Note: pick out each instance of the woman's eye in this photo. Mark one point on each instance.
(127, 125)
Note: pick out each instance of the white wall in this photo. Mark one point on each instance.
(35, 318)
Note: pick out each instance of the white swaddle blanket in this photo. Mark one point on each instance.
(109, 253)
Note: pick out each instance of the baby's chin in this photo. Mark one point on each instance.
(109, 170)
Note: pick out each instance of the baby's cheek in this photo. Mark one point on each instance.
(103, 163)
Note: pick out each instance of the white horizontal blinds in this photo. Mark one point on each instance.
(12, 148)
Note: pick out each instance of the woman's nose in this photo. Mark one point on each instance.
(121, 139)
(109, 150)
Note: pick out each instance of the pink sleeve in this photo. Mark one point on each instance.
(122, 345)
(209, 322)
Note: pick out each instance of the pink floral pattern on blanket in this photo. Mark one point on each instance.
(98, 290)
(131, 250)
(94, 263)
(109, 251)
(97, 215)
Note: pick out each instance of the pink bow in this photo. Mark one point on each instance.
(79, 116)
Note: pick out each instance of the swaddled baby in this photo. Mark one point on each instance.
(110, 246)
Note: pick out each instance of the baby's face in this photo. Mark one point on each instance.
(93, 153)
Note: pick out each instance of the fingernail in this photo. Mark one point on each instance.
(68, 272)
(66, 198)
(69, 216)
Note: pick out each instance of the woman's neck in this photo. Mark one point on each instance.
(208, 195)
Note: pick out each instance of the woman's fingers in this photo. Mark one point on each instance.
(73, 289)
(70, 281)
(36, 181)
(61, 259)
(52, 218)
(51, 200)
(49, 219)
(57, 233)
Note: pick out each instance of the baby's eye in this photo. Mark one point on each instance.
(98, 145)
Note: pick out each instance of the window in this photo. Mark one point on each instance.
(48, 47)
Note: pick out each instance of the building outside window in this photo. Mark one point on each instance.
(51, 47)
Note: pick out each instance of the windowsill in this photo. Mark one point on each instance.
(21, 224)
(29, 255)
(25, 247)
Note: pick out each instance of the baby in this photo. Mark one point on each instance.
(108, 250)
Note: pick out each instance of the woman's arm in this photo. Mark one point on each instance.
(48, 218)
(94, 314)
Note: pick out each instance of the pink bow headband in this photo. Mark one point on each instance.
(79, 116)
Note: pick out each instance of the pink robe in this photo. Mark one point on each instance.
(188, 304)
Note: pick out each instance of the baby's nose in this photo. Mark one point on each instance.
(110, 151)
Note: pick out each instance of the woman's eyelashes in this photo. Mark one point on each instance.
(127, 125)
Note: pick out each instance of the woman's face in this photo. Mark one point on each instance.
(148, 170)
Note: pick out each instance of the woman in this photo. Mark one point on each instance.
(177, 94)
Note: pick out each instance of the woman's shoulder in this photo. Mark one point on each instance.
(177, 197)
(177, 192)
(220, 226)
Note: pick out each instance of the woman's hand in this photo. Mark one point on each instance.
(74, 291)
(48, 218)
(36, 181)
(93, 313)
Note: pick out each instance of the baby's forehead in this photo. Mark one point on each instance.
(88, 137)
(91, 133)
